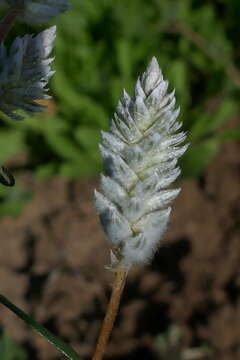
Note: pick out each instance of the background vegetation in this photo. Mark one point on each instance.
(101, 47)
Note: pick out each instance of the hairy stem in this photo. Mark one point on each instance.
(112, 309)
(7, 22)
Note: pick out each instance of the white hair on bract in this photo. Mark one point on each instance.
(25, 72)
(140, 156)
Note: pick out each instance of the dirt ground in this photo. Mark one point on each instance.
(52, 262)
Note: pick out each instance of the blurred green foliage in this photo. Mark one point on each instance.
(9, 350)
(170, 346)
(13, 200)
(102, 47)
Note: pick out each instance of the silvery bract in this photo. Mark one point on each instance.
(40, 11)
(25, 72)
(140, 154)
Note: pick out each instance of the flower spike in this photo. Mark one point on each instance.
(25, 72)
(140, 156)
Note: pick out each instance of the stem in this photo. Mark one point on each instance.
(7, 22)
(112, 309)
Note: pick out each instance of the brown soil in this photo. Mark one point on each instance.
(52, 265)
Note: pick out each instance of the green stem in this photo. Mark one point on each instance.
(41, 330)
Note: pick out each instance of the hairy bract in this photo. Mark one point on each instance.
(140, 154)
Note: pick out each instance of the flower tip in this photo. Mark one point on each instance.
(153, 65)
(53, 28)
(50, 33)
(152, 76)
(125, 94)
(154, 61)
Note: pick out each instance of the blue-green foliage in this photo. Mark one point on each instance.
(102, 47)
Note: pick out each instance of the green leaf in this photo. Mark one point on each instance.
(41, 330)
(226, 110)
(43, 124)
(11, 142)
(46, 171)
(63, 146)
(83, 167)
(207, 123)
(198, 157)
(124, 49)
(88, 137)
(13, 200)
(178, 77)
(229, 135)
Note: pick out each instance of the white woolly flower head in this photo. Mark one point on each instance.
(39, 11)
(140, 156)
(25, 72)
